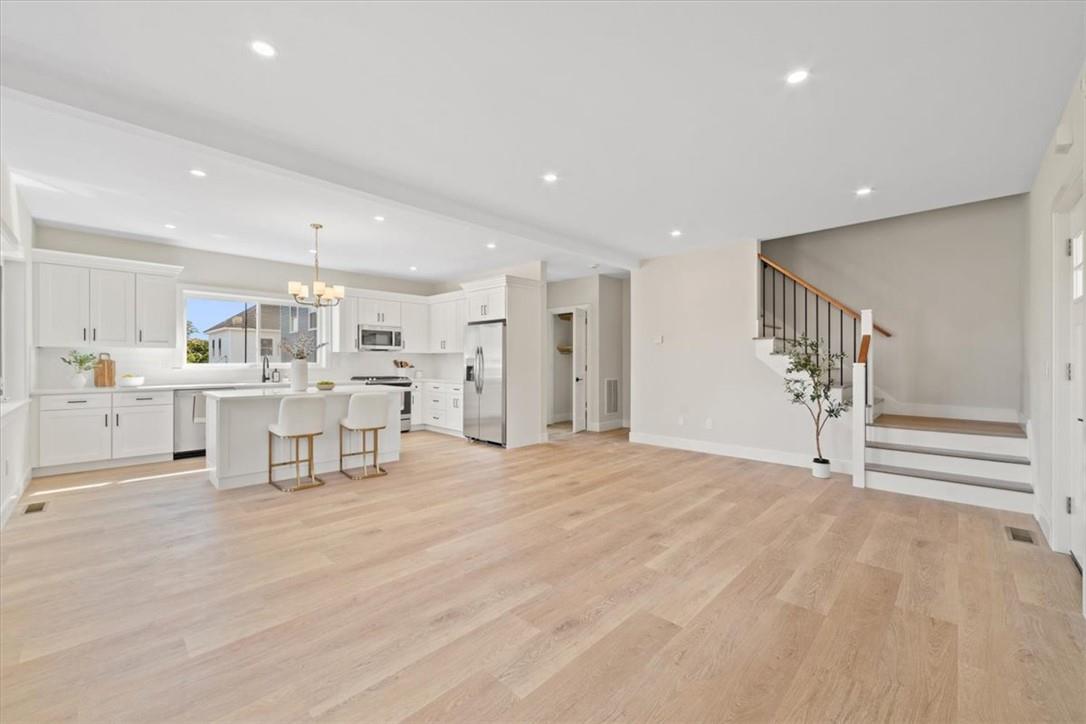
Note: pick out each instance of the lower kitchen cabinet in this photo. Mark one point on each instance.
(97, 427)
(74, 436)
(142, 431)
(443, 405)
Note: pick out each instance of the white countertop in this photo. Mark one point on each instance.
(339, 391)
(438, 379)
(91, 390)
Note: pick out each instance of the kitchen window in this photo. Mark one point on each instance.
(229, 329)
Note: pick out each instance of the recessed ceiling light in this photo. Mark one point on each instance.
(676, 233)
(492, 245)
(378, 218)
(169, 226)
(550, 177)
(797, 76)
(197, 172)
(413, 268)
(864, 191)
(263, 48)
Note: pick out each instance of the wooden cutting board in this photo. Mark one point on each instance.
(105, 372)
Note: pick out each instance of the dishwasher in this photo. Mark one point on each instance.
(189, 422)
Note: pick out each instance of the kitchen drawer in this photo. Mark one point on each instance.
(436, 417)
(435, 402)
(456, 389)
(137, 399)
(74, 402)
(436, 387)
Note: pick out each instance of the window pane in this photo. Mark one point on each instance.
(1076, 250)
(1076, 283)
(219, 331)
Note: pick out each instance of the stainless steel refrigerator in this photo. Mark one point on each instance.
(484, 382)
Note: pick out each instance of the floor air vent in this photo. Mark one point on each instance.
(34, 508)
(1020, 535)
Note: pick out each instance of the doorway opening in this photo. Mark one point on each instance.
(567, 412)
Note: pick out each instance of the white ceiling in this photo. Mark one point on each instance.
(655, 115)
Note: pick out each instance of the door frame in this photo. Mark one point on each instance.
(548, 357)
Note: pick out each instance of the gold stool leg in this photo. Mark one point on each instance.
(377, 453)
(270, 479)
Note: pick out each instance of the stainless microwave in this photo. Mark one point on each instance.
(380, 338)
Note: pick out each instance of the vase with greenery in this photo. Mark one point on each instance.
(80, 363)
(809, 382)
(300, 349)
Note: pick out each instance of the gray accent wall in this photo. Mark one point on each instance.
(948, 284)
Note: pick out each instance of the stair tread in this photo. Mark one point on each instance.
(969, 454)
(950, 424)
(996, 483)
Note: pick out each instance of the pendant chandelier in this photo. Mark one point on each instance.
(324, 295)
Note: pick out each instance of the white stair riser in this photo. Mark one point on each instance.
(953, 492)
(1018, 446)
(950, 464)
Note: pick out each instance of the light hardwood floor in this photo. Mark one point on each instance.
(582, 580)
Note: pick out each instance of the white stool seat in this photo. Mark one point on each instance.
(298, 417)
(366, 411)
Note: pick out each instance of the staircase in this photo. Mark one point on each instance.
(965, 461)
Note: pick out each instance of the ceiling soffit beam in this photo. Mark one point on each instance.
(103, 106)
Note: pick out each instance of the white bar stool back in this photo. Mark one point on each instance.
(366, 412)
(298, 417)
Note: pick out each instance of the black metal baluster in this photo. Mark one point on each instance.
(774, 277)
(763, 298)
(855, 351)
(805, 295)
(841, 342)
(794, 325)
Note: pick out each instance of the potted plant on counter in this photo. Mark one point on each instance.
(81, 363)
(300, 349)
(808, 382)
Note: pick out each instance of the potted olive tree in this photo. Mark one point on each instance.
(809, 383)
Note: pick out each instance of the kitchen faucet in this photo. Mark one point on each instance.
(265, 371)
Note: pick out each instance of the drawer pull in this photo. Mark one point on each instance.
(76, 402)
(150, 398)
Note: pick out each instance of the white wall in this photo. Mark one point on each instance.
(704, 308)
(1059, 179)
(948, 285)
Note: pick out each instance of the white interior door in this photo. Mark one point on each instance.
(1078, 390)
(580, 370)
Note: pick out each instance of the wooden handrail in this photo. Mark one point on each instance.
(865, 345)
(819, 293)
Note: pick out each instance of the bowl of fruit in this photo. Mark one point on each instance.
(131, 380)
(325, 385)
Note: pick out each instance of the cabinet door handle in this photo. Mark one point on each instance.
(106, 421)
(118, 417)
(94, 334)
(84, 334)
(141, 335)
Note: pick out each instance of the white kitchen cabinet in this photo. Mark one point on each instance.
(77, 435)
(454, 410)
(62, 309)
(156, 310)
(142, 430)
(380, 312)
(443, 405)
(485, 305)
(346, 337)
(87, 301)
(447, 326)
(112, 307)
(415, 326)
(416, 405)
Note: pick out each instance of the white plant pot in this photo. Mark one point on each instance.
(79, 379)
(820, 469)
(299, 375)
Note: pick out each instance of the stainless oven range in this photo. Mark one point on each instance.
(405, 382)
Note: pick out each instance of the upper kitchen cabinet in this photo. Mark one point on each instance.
(486, 305)
(380, 312)
(415, 326)
(447, 319)
(85, 300)
(156, 310)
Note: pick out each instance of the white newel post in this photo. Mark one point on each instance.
(859, 424)
(867, 327)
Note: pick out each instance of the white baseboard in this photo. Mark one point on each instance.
(442, 430)
(605, 425)
(560, 417)
(799, 460)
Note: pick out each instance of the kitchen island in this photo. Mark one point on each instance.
(237, 433)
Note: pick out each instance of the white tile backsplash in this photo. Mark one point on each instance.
(160, 366)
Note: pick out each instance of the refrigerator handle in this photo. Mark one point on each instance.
(479, 370)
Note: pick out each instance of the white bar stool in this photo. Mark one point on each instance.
(298, 417)
(366, 412)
